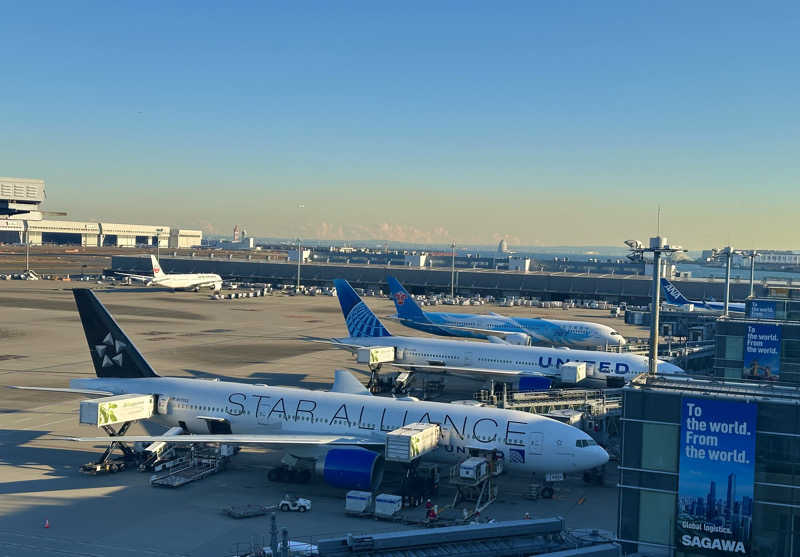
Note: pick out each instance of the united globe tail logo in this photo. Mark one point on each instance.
(716, 475)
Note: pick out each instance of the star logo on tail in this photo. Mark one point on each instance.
(110, 351)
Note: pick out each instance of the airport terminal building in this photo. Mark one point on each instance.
(710, 466)
(762, 345)
(22, 221)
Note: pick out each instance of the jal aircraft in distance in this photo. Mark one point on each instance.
(500, 328)
(182, 281)
(532, 367)
(676, 298)
(338, 434)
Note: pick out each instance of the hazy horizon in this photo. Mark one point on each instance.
(545, 124)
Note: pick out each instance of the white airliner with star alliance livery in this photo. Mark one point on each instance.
(337, 434)
(177, 281)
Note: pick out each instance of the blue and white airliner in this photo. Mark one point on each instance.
(674, 296)
(527, 365)
(500, 328)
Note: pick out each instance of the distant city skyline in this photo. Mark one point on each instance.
(544, 123)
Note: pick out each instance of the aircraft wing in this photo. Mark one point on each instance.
(477, 330)
(480, 331)
(142, 278)
(237, 439)
(204, 283)
(471, 371)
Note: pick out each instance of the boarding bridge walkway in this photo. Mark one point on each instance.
(502, 539)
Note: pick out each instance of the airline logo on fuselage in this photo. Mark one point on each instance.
(488, 430)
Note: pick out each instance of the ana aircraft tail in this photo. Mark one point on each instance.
(672, 295)
(157, 272)
(113, 353)
(406, 305)
(360, 320)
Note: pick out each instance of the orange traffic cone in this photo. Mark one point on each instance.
(47, 524)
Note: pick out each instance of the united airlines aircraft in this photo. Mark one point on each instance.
(182, 281)
(499, 328)
(338, 434)
(674, 296)
(483, 359)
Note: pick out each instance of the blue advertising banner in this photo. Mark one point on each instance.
(762, 352)
(716, 474)
(763, 309)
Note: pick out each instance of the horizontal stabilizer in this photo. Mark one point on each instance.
(64, 390)
(345, 382)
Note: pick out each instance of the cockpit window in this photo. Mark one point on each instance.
(585, 442)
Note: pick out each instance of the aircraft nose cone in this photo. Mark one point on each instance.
(599, 456)
(666, 367)
(621, 341)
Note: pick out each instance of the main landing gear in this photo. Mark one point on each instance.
(284, 474)
(292, 470)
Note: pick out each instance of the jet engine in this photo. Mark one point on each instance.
(351, 469)
(520, 339)
(495, 340)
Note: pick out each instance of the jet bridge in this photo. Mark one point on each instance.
(547, 536)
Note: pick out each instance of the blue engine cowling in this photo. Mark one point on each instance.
(352, 469)
(534, 383)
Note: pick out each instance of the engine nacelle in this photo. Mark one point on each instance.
(495, 340)
(520, 339)
(351, 469)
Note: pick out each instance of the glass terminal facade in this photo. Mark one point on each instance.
(652, 445)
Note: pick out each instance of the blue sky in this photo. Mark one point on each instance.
(549, 122)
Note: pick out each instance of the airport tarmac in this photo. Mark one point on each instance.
(187, 334)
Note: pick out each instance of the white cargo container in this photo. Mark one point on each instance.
(411, 441)
(474, 468)
(116, 409)
(573, 372)
(358, 502)
(375, 355)
(387, 505)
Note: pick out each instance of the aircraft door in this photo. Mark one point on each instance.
(468, 359)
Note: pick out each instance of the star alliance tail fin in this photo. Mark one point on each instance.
(113, 353)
